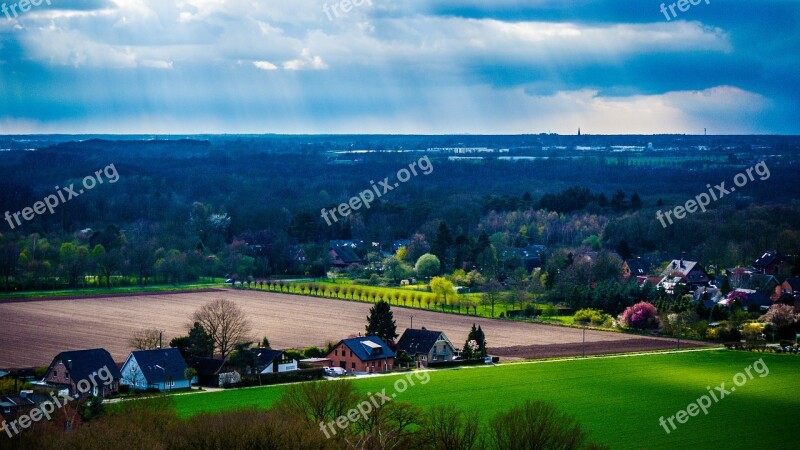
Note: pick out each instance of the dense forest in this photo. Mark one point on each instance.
(184, 208)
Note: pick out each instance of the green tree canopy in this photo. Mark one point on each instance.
(428, 265)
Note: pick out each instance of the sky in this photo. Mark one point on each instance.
(399, 67)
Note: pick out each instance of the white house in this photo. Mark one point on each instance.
(161, 369)
(273, 361)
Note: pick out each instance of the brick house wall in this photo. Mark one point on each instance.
(343, 357)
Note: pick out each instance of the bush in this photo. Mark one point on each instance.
(548, 310)
(537, 425)
(313, 352)
(283, 377)
(457, 363)
(641, 316)
(530, 311)
(593, 316)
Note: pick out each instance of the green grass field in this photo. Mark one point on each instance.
(618, 400)
(93, 291)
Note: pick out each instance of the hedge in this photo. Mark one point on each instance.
(282, 377)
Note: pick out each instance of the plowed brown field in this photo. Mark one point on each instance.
(33, 332)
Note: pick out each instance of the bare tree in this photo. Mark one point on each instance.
(319, 402)
(225, 322)
(446, 427)
(145, 339)
(491, 293)
(386, 428)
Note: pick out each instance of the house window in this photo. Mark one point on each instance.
(336, 353)
(351, 353)
(66, 376)
(353, 365)
(170, 383)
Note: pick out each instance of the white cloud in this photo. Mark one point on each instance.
(265, 65)
(307, 61)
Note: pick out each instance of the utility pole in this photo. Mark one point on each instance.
(583, 346)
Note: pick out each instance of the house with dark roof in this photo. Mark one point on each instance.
(638, 268)
(367, 354)
(424, 346)
(94, 368)
(681, 272)
(163, 369)
(209, 370)
(344, 257)
(791, 286)
(352, 244)
(12, 407)
(273, 361)
(529, 257)
(753, 300)
(770, 263)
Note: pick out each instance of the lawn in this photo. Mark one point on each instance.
(618, 400)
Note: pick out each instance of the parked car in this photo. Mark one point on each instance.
(335, 371)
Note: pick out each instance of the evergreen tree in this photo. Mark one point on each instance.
(475, 335)
(380, 322)
(201, 344)
(725, 289)
(467, 352)
(480, 338)
(636, 202)
(442, 246)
